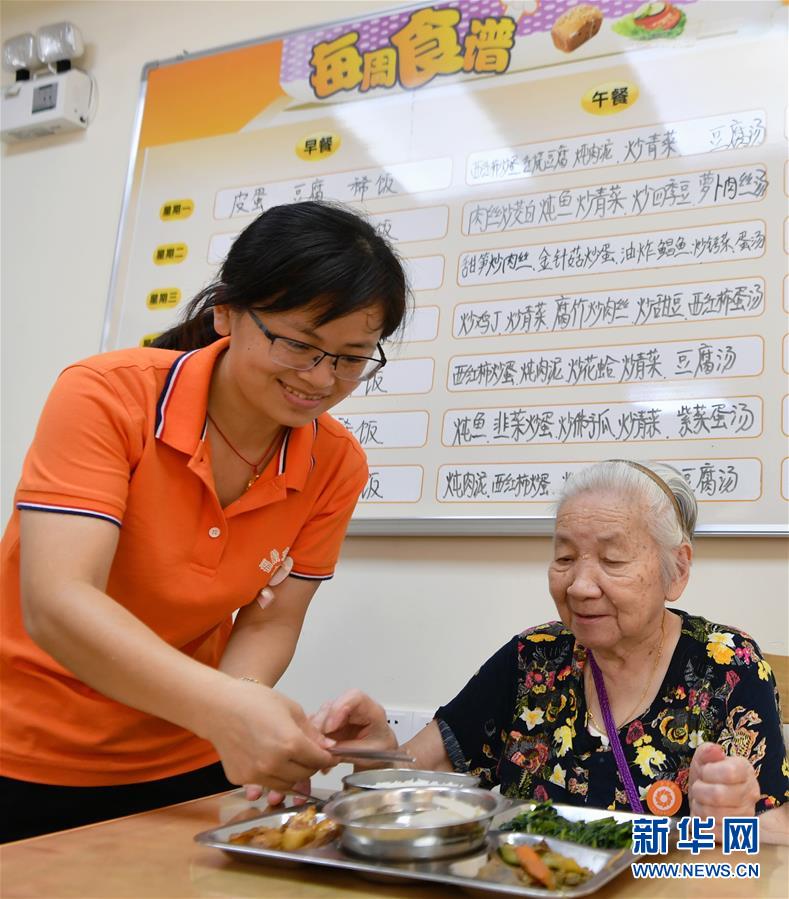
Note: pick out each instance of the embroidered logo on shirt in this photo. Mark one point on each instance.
(277, 564)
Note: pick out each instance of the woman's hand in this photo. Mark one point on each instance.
(264, 738)
(355, 718)
(358, 720)
(721, 785)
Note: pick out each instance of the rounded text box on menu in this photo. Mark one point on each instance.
(688, 418)
(712, 480)
(393, 484)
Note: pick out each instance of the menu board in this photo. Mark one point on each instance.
(591, 204)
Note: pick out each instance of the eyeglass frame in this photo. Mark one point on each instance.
(270, 335)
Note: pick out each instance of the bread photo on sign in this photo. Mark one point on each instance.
(576, 27)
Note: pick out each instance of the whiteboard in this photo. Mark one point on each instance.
(596, 241)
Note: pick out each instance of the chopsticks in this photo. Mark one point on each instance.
(379, 755)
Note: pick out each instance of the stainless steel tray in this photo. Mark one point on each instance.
(461, 871)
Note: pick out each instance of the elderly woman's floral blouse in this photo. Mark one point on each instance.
(521, 720)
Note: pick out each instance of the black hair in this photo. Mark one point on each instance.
(313, 254)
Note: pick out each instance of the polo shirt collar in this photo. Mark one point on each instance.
(182, 407)
(295, 459)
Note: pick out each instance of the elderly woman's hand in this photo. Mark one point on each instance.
(721, 785)
(355, 718)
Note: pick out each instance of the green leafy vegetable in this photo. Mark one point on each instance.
(543, 819)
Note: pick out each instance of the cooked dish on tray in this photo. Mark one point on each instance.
(471, 854)
(602, 833)
(304, 830)
(535, 865)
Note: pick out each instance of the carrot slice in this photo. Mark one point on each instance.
(535, 867)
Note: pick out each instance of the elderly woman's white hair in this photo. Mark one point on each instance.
(671, 523)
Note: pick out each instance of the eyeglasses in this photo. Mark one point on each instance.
(304, 356)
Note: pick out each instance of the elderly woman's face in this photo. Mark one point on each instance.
(605, 574)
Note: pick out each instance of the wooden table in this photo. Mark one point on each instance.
(153, 856)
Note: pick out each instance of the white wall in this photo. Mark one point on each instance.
(410, 619)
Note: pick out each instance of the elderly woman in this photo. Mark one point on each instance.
(688, 706)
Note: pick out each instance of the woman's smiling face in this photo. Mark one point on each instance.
(288, 396)
(605, 577)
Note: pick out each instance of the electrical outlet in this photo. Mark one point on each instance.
(406, 723)
(401, 722)
(420, 720)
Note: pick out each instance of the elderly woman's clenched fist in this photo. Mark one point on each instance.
(720, 785)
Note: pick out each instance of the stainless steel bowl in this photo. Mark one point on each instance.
(397, 778)
(385, 824)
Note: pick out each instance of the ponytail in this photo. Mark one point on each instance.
(196, 329)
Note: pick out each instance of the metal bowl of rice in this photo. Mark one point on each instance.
(399, 778)
(411, 824)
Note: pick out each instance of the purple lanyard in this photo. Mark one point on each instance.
(613, 737)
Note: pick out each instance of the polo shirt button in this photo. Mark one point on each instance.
(214, 532)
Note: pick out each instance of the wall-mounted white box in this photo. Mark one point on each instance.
(49, 104)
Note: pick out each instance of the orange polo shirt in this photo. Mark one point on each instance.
(122, 438)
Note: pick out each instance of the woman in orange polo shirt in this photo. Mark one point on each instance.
(166, 488)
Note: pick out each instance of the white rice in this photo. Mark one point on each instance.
(411, 782)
